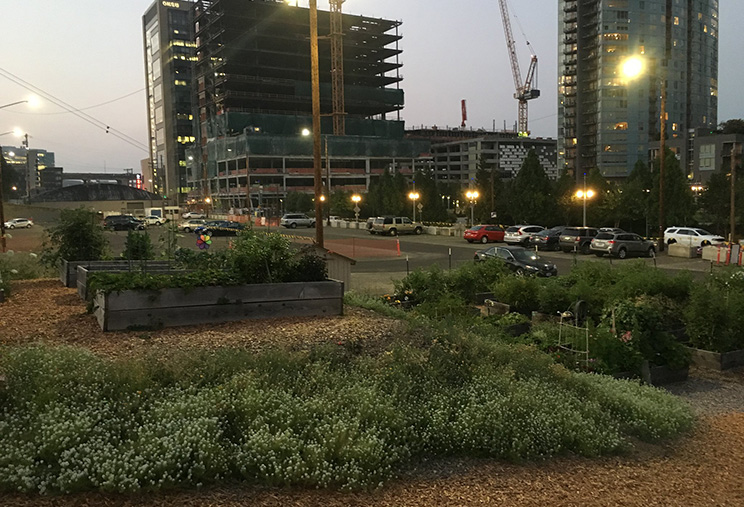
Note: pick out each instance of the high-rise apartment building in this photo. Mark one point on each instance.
(169, 53)
(607, 120)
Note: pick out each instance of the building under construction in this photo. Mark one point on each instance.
(253, 100)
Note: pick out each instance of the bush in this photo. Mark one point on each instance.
(138, 246)
(714, 318)
(521, 293)
(70, 421)
(77, 237)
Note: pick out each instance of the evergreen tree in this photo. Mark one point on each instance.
(679, 205)
(531, 199)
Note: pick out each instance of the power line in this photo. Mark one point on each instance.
(84, 108)
(64, 105)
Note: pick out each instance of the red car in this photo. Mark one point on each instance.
(484, 233)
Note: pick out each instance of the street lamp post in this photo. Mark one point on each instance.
(472, 196)
(413, 196)
(355, 199)
(3, 245)
(584, 195)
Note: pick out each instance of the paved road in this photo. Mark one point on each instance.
(375, 272)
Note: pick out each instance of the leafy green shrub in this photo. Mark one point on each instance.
(643, 323)
(138, 246)
(70, 421)
(521, 293)
(714, 317)
(77, 237)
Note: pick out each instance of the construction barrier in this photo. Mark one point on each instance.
(724, 255)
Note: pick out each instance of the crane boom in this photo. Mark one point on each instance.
(524, 90)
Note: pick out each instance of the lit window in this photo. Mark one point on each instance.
(623, 125)
(674, 126)
(676, 20)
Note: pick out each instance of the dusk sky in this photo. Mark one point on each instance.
(88, 53)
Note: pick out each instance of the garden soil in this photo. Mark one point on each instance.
(705, 467)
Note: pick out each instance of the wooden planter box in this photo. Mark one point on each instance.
(716, 360)
(182, 307)
(657, 375)
(83, 272)
(68, 269)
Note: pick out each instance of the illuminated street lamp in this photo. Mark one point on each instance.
(472, 196)
(584, 195)
(356, 198)
(414, 196)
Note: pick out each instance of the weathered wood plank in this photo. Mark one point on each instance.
(155, 318)
(199, 296)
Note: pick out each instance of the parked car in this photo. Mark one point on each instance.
(292, 220)
(396, 225)
(621, 244)
(577, 238)
(520, 234)
(484, 233)
(547, 239)
(220, 228)
(18, 223)
(691, 236)
(154, 220)
(520, 260)
(610, 229)
(190, 225)
(193, 214)
(123, 223)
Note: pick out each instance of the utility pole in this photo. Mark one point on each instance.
(662, 136)
(2, 206)
(315, 75)
(732, 217)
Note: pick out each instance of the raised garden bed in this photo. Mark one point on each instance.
(83, 272)
(131, 309)
(68, 269)
(657, 375)
(716, 360)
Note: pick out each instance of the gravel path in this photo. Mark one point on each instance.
(703, 468)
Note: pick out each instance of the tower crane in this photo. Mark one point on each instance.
(524, 91)
(337, 67)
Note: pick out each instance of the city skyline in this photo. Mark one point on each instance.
(450, 52)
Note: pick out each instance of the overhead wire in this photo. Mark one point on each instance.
(68, 107)
(85, 108)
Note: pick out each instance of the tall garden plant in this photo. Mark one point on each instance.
(77, 237)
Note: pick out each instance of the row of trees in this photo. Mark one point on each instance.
(532, 197)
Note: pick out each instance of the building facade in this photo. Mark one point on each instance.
(253, 101)
(456, 155)
(608, 120)
(168, 33)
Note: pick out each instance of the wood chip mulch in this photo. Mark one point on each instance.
(703, 468)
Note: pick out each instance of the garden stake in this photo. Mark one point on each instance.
(407, 268)
(450, 259)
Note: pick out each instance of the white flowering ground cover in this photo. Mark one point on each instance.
(330, 416)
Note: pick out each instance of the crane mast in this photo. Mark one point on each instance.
(337, 67)
(524, 90)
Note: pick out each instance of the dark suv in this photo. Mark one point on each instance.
(123, 223)
(577, 239)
